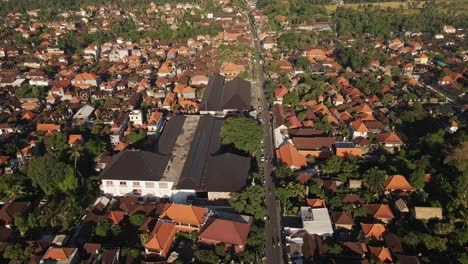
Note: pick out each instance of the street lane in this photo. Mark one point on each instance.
(273, 240)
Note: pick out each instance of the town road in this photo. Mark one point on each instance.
(273, 235)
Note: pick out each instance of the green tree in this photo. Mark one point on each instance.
(16, 251)
(244, 133)
(373, 178)
(75, 154)
(14, 185)
(137, 219)
(302, 63)
(48, 173)
(57, 141)
(417, 178)
(291, 99)
(250, 201)
(206, 256)
(102, 230)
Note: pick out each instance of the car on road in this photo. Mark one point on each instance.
(262, 159)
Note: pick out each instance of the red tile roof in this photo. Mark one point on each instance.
(162, 237)
(185, 214)
(397, 182)
(373, 230)
(225, 231)
(379, 211)
(288, 155)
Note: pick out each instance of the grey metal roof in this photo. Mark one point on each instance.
(206, 169)
(135, 165)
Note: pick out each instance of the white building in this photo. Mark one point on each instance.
(136, 117)
(316, 221)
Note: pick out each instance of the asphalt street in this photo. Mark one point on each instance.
(273, 237)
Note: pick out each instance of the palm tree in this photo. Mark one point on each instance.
(373, 178)
(75, 154)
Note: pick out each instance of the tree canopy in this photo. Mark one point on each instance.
(244, 133)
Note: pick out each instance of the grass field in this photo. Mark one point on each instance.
(332, 8)
(460, 6)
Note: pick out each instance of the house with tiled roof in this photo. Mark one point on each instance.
(358, 129)
(343, 220)
(55, 255)
(116, 217)
(9, 210)
(381, 253)
(389, 140)
(232, 233)
(288, 155)
(452, 128)
(231, 70)
(86, 80)
(316, 203)
(48, 127)
(74, 139)
(318, 147)
(161, 238)
(373, 230)
(397, 183)
(186, 217)
(381, 212)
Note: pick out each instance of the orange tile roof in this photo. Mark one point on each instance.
(316, 203)
(58, 253)
(388, 137)
(28, 115)
(382, 253)
(225, 231)
(155, 116)
(162, 237)
(373, 230)
(379, 211)
(85, 77)
(48, 127)
(289, 155)
(397, 182)
(281, 92)
(74, 139)
(185, 214)
(359, 126)
(364, 108)
(121, 146)
(179, 88)
(170, 97)
(116, 216)
(233, 67)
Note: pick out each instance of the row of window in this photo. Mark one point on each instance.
(162, 185)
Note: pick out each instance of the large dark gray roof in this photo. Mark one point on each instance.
(168, 137)
(135, 165)
(206, 169)
(213, 94)
(235, 94)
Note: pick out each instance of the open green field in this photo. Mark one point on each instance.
(456, 5)
(332, 8)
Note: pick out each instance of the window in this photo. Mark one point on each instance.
(149, 184)
(109, 183)
(122, 183)
(136, 184)
(163, 185)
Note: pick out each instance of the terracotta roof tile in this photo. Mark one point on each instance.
(226, 231)
(397, 182)
(185, 214)
(382, 253)
(373, 230)
(58, 253)
(289, 155)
